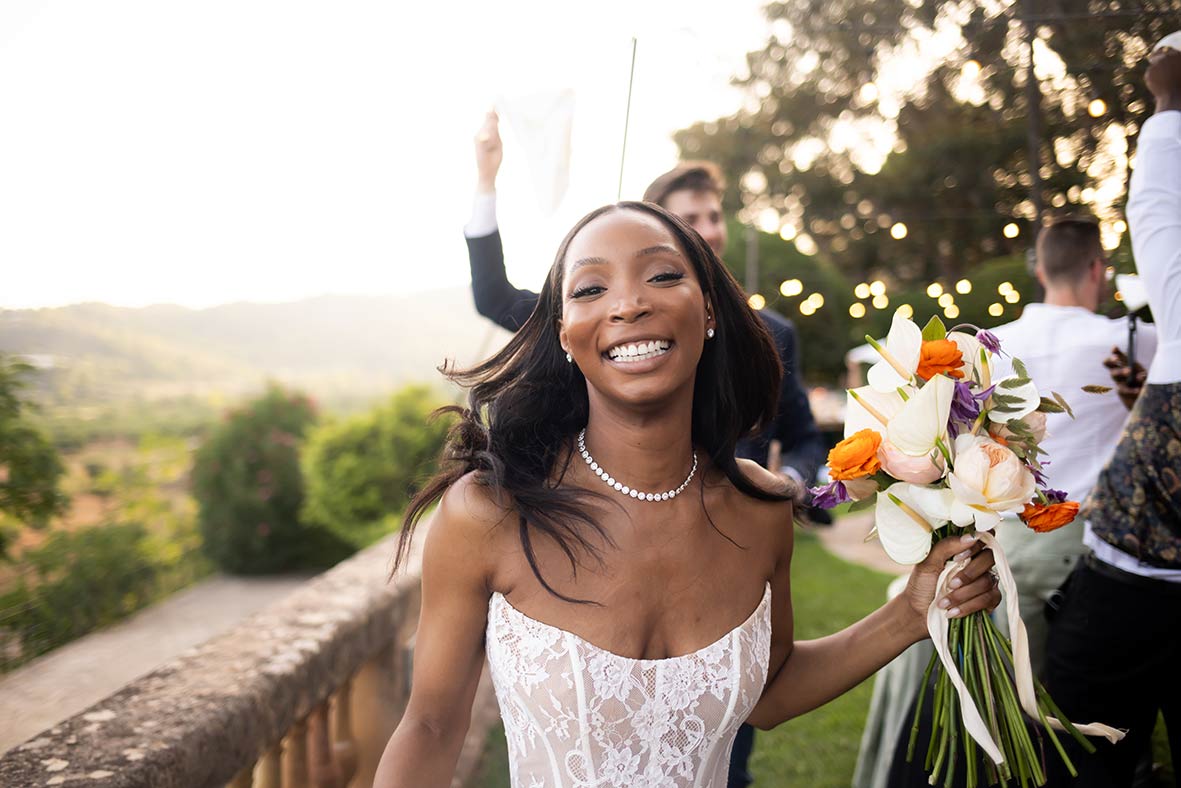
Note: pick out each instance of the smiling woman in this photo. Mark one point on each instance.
(632, 626)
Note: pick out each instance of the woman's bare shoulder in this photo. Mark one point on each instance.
(467, 524)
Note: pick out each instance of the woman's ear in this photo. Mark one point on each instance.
(710, 321)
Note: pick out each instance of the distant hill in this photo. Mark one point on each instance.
(329, 345)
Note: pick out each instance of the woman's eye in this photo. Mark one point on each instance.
(587, 290)
(671, 276)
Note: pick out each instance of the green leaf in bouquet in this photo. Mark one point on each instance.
(1019, 368)
(934, 329)
(1065, 405)
(863, 504)
(1015, 383)
(1006, 399)
(1096, 389)
(1050, 406)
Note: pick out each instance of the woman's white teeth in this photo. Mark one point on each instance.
(638, 351)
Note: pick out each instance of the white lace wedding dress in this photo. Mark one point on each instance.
(577, 716)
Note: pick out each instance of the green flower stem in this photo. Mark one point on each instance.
(944, 451)
(1020, 734)
(1083, 741)
(1053, 707)
(918, 709)
(954, 721)
(975, 685)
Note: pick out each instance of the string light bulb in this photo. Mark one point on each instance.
(757, 301)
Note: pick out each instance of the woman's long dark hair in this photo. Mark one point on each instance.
(527, 403)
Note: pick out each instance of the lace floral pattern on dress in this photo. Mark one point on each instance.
(577, 716)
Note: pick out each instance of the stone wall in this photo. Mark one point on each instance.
(206, 716)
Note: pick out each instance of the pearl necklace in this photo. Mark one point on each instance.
(623, 488)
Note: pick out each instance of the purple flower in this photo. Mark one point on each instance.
(829, 495)
(989, 340)
(1039, 476)
(964, 406)
(1055, 496)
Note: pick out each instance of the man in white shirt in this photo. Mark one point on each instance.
(1064, 344)
(1115, 646)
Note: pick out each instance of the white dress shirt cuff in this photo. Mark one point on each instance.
(483, 221)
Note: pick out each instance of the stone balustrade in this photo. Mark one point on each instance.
(304, 693)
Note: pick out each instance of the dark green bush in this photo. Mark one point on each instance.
(79, 580)
(247, 482)
(362, 470)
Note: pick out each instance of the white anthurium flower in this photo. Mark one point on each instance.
(922, 421)
(900, 356)
(970, 347)
(1027, 393)
(905, 515)
(987, 481)
(867, 409)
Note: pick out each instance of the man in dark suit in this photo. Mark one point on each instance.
(693, 191)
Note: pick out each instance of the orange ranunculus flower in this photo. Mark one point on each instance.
(1048, 517)
(855, 456)
(940, 355)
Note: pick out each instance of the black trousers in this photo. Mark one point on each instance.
(744, 743)
(1114, 656)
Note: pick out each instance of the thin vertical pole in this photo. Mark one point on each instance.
(626, 120)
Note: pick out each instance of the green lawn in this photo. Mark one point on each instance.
(818, 750)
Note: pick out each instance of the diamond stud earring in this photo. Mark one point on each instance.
(709, 333)
(569, 359)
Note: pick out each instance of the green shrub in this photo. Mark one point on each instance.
(362, 470)
(77, 581)
(247, 482)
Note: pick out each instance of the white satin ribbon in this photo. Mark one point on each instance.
(937, 625)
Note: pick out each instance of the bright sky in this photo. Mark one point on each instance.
(199, 153)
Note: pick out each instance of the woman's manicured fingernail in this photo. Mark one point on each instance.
(956, 582)
(962, 556)
(945, 602)
(955, 611)
(968, 539)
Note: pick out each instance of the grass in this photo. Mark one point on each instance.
(820, 749)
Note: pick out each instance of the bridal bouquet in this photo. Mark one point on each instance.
(940, 447)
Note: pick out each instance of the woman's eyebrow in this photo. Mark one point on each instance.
(586, 261)
(659, 249)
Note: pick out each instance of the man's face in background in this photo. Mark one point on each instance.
(703, 212)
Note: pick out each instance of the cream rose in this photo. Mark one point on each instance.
(987, 479)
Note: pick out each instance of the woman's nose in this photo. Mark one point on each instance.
(630, 307)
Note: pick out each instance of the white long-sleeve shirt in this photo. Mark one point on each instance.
(1154, 217)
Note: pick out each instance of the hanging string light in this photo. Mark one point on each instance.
(857, 310)
(996, 309)
(791, 287)
(934, 290)
(862, 290)
(757, 301)
(963, 287)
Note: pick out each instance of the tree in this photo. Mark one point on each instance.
(30, 468)
(248, 485)
(800, 152)
(361, 471)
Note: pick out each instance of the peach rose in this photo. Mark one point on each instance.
(905, 468)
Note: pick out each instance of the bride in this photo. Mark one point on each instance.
(627, 579)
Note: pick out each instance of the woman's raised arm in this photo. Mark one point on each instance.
(449, 646)
(817, 671)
